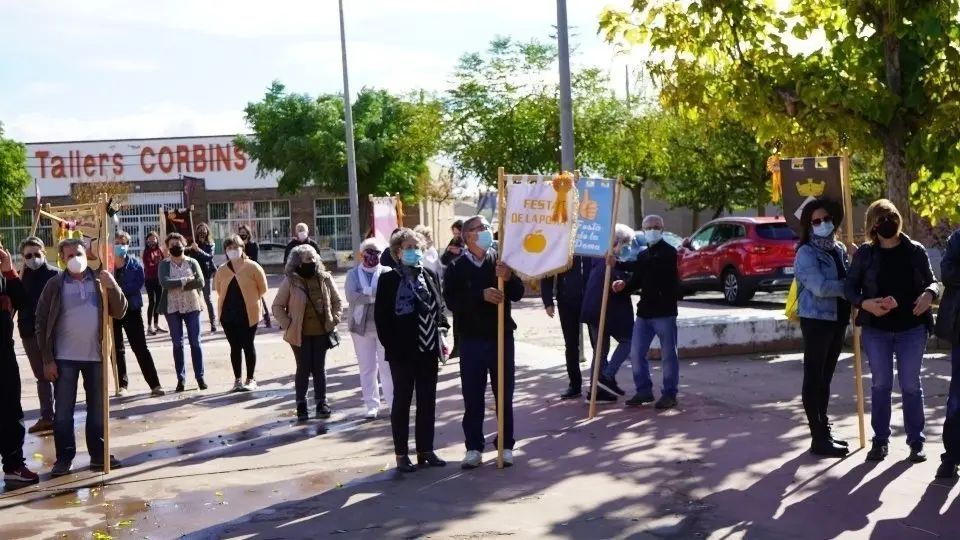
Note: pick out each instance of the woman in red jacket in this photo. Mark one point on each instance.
(152, 255)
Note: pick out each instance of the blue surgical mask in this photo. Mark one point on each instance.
(484, 239)
(653, 236)
(625, 252)
(823, 230)
(412, 256)
(120, 250)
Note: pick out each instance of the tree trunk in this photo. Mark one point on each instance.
(898, 176)
(637, 193)
(696, 220)
(761, 210)
(717, 212)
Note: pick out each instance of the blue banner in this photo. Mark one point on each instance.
(595, 217)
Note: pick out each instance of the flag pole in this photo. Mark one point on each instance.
(501, 310)
(107, 332)
(601, 329)
(851, 238)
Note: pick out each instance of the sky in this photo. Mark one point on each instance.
(112, 69)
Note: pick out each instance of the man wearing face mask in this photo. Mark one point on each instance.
(36, 273)
(69, 329)
(128, 271)
(301, 237)
(471, 292)
(655, 275)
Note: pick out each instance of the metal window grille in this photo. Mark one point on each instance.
(332, 223)
(269, 221)
(13, 229)
(140, 215)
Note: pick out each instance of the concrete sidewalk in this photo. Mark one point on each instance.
(730, 462)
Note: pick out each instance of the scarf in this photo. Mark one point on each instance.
(412, 294)
(827, 244)
(366, 277)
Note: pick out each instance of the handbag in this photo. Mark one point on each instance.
(793, 302)
(333, 338)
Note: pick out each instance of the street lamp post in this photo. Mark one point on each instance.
(567, 155)
(351, 156)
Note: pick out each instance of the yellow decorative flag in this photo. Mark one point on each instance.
(773, 165)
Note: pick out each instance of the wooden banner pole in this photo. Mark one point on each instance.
(107, 333)
(851, 239)
(602, 327)
(501, 202)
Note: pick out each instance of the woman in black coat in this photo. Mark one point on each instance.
(948, 329)
(409, 313)
(252, 250)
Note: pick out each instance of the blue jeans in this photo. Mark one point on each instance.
(478, 362)
(644, 330)
(207, 283)
(610, 368)
(176, 322)
(880, 348)
(65, 401)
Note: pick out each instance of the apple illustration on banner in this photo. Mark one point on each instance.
(535, 242)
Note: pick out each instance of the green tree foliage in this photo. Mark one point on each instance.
(14, 177)
(302, 139)
(883, 71)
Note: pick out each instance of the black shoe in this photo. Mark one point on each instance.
(830, 436)
(571, 393)
(610, 385)
(602, 397)
(947, 470)
(324, 411)
(639, 399)
(302, 415)
(61, 468)
(824, 447)
(430, 459)
(201, 384)
(404, 465)
(96, 466)
(917, 455)
(179, 385)
(879, 451)
(666, 402)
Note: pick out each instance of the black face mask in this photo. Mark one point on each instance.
(176, 251)
(887, 230)
(307, 270)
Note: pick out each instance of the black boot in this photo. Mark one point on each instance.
(302, 415)
(430, 459)
(404, 464)
(822, 445)
(830, 433)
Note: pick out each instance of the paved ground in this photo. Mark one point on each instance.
(729, 463)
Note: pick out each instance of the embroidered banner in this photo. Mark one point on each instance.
(808, 179)
(385, 219)
(595, 217)
(540, 222)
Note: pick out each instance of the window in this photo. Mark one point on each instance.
(13, 229)
(333, 223)
(269, 221)
(702, 238)
(726, 232)
(776, 231)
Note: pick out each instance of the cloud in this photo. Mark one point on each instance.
(120, 65)
(39, 89)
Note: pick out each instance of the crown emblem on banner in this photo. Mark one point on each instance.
(811, 188)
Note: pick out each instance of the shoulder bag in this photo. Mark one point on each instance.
(333, 338)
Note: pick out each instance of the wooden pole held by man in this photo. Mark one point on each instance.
(851, 239)
(601, 328)
(501, 310)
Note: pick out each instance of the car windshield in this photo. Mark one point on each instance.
(776, 231)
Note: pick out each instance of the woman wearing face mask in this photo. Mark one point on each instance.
(820, 269)
(409, 312)
(152, 255)
(240, 285)
(361, 291)
(252, 249)
(893, 285)
(202, 251)
(181, 302)
(307, 307)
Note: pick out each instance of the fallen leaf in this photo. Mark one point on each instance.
(100, 535)
(339, 485)
(125, 523)
(219, 494)
(151, 442)
(74, 502)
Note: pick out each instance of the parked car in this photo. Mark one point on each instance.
(738, 257)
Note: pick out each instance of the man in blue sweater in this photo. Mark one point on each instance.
(471, 292)
(570, 287)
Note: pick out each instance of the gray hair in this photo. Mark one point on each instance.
(649, 220)
(233, 240)
(369, 243)
(404, 235)
(122, 235)
(67, 242)
(296, 259)
(622, 234)
(469, 223)
(301, 226)
(424, 231)
(31, 241)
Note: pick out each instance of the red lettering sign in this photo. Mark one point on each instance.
(173, 161)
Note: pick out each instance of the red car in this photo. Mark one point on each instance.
(738, 256)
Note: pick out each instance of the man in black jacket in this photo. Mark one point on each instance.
(570, 287)
(302, 236)
(656, 276)
(11, 413)
(36, 273)
(470, 290)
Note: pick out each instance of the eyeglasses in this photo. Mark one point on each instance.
(889, 218)
(29, 256)
(653, 228)
(819, 221)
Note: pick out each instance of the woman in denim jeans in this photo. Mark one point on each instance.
(892, 284)
(820, 268)
(948, 329)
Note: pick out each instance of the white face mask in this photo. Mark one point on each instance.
(301, 235)
(78, 264)
(233, 254)
(35, 263)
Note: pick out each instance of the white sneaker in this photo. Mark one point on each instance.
(238, 386)
(373, 413)
(251, 385)
(507, 458)
(122, 392)
(472, 460)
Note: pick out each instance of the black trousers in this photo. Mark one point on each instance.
(311, 360)
(153, 301)
(571, 327)
(132, 323)
(240, 337)
(414, 376)
(12, 431)
(822, 344)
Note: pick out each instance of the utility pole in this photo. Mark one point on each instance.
(626, 81)
(351, 156)
(567, 155)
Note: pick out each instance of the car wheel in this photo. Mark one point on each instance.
(734, 291)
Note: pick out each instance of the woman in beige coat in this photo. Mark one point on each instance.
(308, 307)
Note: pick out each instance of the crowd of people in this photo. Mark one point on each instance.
(396, 302)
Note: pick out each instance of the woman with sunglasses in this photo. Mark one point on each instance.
(892, 284)
(820, 269)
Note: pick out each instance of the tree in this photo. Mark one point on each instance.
(89, 192)
(14, 177)
(302, 139)
(886, 73)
